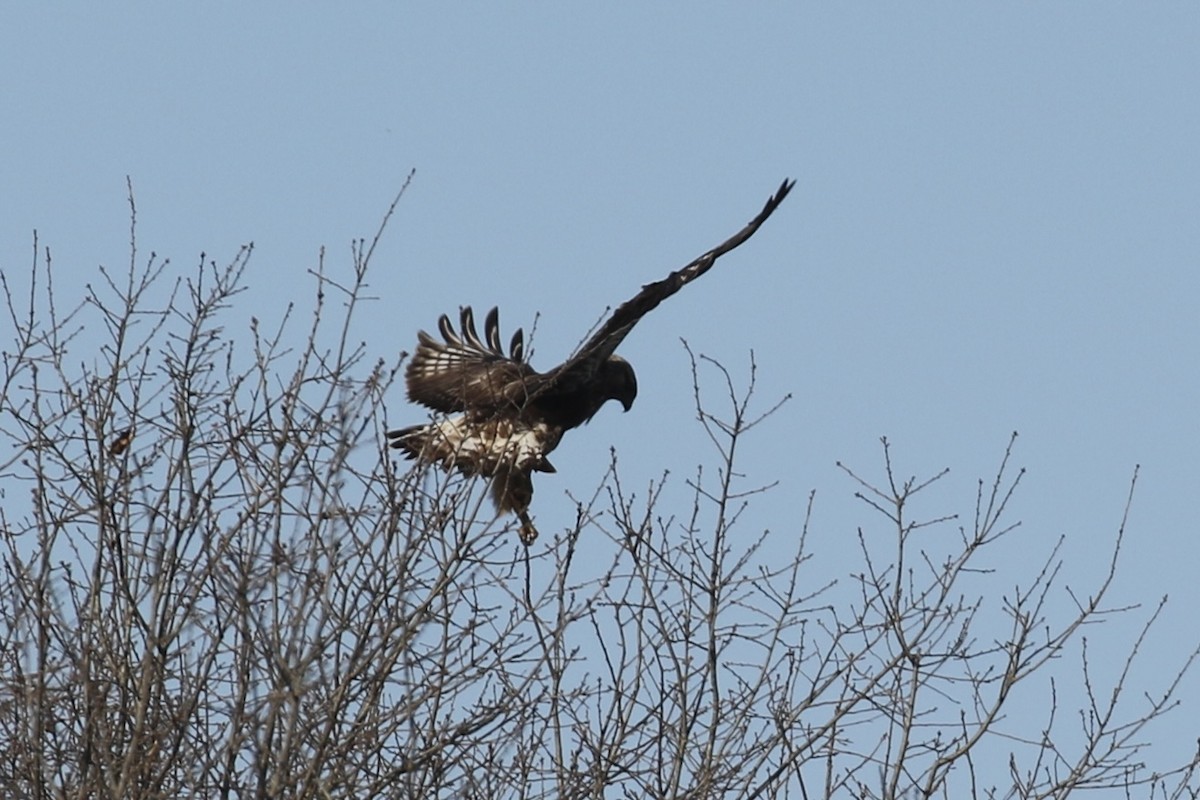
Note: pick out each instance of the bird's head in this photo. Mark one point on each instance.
(619, 381)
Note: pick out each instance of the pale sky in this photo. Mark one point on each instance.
(994, 226)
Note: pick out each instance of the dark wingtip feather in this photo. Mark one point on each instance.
(516, 348)
(780, 193)
(468, 328)
(447, 330)
(491, 329)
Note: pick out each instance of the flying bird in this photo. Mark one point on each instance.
(119, 443)
(508, 416)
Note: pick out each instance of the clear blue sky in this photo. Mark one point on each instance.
(994, 226)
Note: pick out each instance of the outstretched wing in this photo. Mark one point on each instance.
(581, 367)
(465, 373)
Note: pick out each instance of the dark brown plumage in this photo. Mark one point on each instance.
(509, 415)
(119, 443)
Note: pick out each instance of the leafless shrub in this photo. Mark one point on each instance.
(216, 583)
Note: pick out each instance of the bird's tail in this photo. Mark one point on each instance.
(444, 442)
(411, 440)
(511, 484)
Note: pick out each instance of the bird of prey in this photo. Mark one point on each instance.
(119, 443)
(507, 416)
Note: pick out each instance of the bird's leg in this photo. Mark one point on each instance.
(528, 532)
(512, 489)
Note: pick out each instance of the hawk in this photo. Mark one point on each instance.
(508, 416)
(119, 443)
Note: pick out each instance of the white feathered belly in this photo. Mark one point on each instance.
(484, 447)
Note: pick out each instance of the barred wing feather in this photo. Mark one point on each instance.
(466, 373)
